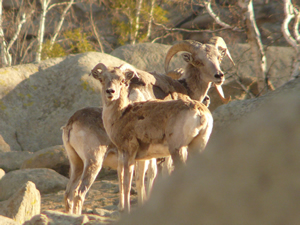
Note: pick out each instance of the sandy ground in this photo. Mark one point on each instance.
(104, 194)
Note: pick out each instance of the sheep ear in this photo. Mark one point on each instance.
(187, 57)
(129, 74)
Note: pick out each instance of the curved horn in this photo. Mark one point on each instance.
(95, 71)
(187, 45)
(221, 94)
(219, 42)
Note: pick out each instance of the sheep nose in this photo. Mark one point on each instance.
(219, 75)
(110, 91)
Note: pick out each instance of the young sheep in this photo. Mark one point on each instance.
(86, 156)
(145, 130)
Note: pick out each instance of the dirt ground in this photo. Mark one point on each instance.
(104, 194)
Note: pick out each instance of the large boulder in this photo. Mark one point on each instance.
(235, 110)
(53, 158)
(23, 205)
(46, 181)
(37, 99)
(59, 218)
(13, 160)
(2, 173)
(247, 175)
(148, 56)
(7, 221)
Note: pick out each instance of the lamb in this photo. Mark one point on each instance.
(87, 143)
(151, 129)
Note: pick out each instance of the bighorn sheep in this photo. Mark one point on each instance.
(86, 141)
(151, 129)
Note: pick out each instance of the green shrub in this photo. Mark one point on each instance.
(56, 51)
(77, 41)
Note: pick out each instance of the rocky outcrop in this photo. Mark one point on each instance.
(46, 181)
(248, 174)
(236, 110)
(23, 205)
(13, 160)
(2, 173)
(7, 221)
(59, 218)
(53, 158)
(37, 99)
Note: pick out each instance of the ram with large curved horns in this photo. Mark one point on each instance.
(203, 61)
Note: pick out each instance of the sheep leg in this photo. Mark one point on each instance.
(140, 171)
(76, 169)
(128, 172)
(179, 155)
(151, 175)
(121, 180)
(167, 166)
(90, 172)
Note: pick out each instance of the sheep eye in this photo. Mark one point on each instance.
(123, 81)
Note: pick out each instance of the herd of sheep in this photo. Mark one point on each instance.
(145, 116)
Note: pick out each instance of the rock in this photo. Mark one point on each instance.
(248, 175)
(59, 218)
(234, 89)
(148, 56)
(106, 213)
(37, 99)
(2, 173)
(4, 147)
(46, 181)
(235, 110)
(13, 160)
(7, 221)
(53, 158)
(23, 205)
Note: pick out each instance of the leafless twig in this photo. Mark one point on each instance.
(217, 19)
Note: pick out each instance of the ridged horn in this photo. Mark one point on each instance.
(187, 45)
(219, 42)
(95, 71)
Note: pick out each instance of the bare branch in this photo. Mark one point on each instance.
(254, 39)
(137, 20)
(192, 31)
(157, 38)
(41, 30)
(150, 19)
(289, 15)
(14, 38)
(291, 12)
(26, 51)
(244, 88)
(217, 19)
(95, 30)
(296, 25)
(56, 4)
(61, 21)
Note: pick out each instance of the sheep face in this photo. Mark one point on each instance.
(207, 60)
(113, 80)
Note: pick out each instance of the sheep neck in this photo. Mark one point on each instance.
(112, 110)
(197, 87)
